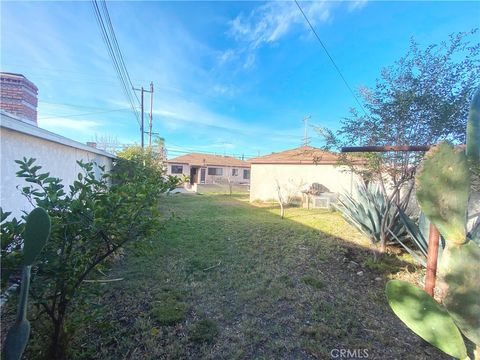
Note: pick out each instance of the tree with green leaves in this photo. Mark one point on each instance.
(91, 219)
(420, 100)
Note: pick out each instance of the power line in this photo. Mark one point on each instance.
(236, 155)
(306, 138)
(237, 130)
(170, 150)
(119, 51)
(331, 59)
(118, 64)
(84, 114)
(74, 105)
(111, 52)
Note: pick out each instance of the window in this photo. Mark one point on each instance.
(246, 174)
(215, 171)
(177, 169)
(234, 172)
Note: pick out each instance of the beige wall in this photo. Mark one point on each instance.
(186, 169)
(293, 177)
(212, 179)
(58, 159)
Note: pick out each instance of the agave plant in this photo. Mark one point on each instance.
(365, 210)
(418, 235)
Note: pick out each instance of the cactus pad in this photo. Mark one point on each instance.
(443, 185)
(16, 340)
(473, 129)
(425, 317)
(459, 281)
(37, 231)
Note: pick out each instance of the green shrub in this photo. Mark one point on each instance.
(91, 220)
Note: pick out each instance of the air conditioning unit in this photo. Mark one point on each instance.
(323, 201)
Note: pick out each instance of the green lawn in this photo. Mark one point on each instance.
(228, 280)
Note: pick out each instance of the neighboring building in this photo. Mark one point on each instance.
(210, 169)
(296, 169)
(18, 97)
(56, 154)
(21, 137)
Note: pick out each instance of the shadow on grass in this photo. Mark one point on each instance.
(242, 283)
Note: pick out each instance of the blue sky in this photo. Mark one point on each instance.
(230, 77)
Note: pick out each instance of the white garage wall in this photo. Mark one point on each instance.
(292, 177)
(56, 154)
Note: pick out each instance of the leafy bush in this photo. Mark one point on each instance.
(91, 220)
(11, 245)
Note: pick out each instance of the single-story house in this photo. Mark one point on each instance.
(56, 154)
(294, 170)
(210, 169)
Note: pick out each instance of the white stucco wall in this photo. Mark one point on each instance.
(292, 177)
(55, 154)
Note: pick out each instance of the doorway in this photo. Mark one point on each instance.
(193, 175)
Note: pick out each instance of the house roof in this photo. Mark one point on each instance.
(196, 159)
(14, 123)
(300, 155)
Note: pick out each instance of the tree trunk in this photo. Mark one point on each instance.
(383, 243)
(58, 345)
(280, 200)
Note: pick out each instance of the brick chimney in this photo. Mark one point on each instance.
(18, 96)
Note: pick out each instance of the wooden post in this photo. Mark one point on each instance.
(434, 236)
(385, 148)
(432, 256)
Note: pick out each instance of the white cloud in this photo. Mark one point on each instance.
(249, 61)
(225, 90)
(356, 4)
(226, 56)
(179, 114)
(78, 125)
(270, 22)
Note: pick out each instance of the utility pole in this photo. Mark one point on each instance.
(142, 129)
(306, 140)
(151, 116)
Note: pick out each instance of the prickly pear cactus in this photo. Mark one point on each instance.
(473, 130)
(37, 231)
(444, 183)
(459, 283)
(443, 187)
(412, 304)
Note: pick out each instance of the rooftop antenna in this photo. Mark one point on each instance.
(306, 139)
